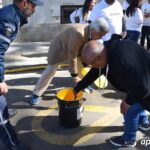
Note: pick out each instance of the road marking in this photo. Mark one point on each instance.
(25, 68)
(93, 108)
(80, 137)
(30, 68)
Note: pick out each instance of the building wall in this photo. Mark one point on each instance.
(45, 23)
(50, 12)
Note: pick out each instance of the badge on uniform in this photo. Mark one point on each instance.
(8, 31)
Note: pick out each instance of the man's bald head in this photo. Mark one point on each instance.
(91, 50)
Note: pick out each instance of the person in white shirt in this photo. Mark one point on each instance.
(125, 5)
(145, 33)
(112, 11)
(134, 20)
(83, 13)
(1, 4)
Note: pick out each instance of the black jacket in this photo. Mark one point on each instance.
(129, 71)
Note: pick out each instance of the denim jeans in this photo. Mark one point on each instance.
(133, 35)
(135, 115)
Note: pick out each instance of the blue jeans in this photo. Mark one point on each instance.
(133, 35)
(7, 133)
(135, 115)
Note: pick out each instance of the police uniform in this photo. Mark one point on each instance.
(11, 19)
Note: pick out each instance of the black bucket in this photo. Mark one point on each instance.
(70, 111)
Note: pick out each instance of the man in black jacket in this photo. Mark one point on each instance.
(128, 70)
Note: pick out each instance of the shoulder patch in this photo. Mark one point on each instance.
(8, 31)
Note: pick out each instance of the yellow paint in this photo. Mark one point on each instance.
(93, 108)
(29, 68)
(78, 138)
(67, 94)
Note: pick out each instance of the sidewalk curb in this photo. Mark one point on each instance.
(29, 68)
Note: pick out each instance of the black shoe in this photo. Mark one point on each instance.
(19, 146)
(119, 141)
(12, 112)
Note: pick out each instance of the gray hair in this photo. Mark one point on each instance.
(100, 25)
(91, 50)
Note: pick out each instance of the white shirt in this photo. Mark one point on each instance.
(112, 13)
(0, 3)
(146, 9)
(78, 13)
(125, 5)
(135, 22)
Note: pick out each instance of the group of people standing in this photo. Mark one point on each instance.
(138, 21)
(136, 17)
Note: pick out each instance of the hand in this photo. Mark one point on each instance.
(75, 94)
(3, 88)
(124, 107)
(124, 34)
(76, 79)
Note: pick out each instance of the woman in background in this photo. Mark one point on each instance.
(83, 13)
(134, 20)
(125, 5)
(146, 25)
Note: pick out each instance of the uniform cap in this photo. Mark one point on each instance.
(36, 2)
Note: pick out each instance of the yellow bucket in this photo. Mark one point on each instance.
(100, 82)
(70, 109)
(85, 70)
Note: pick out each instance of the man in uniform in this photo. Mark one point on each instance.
(12, 17)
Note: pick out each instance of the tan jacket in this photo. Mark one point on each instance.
(68, 45)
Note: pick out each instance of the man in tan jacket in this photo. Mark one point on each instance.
(68, 46)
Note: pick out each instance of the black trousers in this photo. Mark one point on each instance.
(145, 34)
(7, 133)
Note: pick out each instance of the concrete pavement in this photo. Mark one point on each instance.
(22, 54)
(39, 127)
